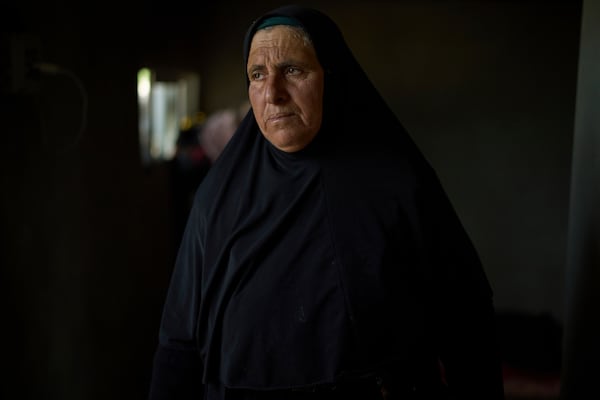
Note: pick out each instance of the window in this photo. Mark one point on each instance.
(167, 101)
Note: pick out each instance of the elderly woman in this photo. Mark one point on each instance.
(322, 258)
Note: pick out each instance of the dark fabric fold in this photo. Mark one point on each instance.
(175, 375)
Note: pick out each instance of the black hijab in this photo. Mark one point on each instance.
(329, 263)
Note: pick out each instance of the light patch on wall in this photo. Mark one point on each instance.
(167, 99)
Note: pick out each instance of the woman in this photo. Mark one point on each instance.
(322, 258)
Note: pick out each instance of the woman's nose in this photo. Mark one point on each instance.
(275, 91)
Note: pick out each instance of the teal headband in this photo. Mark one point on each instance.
(278, 20)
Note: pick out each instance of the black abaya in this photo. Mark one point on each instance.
(340, 263)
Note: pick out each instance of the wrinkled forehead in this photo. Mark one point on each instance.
(281, 36)
(281, 45)
(326, 38)
(288, 23)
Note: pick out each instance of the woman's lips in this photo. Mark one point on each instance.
(279, 116)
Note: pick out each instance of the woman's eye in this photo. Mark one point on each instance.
(292, 71)
(256, 76)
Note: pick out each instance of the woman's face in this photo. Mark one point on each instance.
(286, 87)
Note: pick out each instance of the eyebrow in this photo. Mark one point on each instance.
(281, 65)
(255, 67)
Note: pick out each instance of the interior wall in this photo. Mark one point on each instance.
(86, 247)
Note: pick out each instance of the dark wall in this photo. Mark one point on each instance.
(86, 230)
(487, 89)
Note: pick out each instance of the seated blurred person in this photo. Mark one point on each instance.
(219, 128)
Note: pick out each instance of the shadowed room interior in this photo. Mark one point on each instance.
(497, 93)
